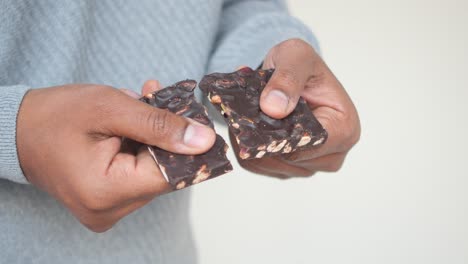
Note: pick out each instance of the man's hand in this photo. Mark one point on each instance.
(299, 71)
(69, 144)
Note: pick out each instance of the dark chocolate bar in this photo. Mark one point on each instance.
(184, 170)
(237, 96)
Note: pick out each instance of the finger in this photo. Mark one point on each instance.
(334, 109)
(336, 133)
(150, 86)
(293, 62)
(147, 167)
(153, 126)
(275, 166)
(278, 172)
(104, 220)
(128, 178)
(139, 176)
(260, 171)
(130, 93)
(328, 163)
(343, 131)
(123, 178)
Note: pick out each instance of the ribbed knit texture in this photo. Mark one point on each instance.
(122, 44)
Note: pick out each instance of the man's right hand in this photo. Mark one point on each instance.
(69, 140)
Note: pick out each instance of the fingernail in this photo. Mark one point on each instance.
(153, 85)
(197, 135)
(278, 99)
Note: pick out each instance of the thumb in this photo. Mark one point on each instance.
(291, 60)
(149, 125)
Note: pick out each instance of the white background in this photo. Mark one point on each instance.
(402, 195)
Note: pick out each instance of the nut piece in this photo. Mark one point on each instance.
(202, 174)
(280, 146)
(225, 110)
(260, 154)
(235, 125)
(318, 142)
(272, 146)
(181, 185)
(215, 99)
(304, 140)
(287, 148)
(245, 119)
(243, 154)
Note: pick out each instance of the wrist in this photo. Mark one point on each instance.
(25, 131)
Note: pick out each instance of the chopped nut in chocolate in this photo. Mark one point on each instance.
(184, 170)
(237, 96)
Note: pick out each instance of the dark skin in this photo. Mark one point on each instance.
(300, 71)
(69, 142)
(69, 138)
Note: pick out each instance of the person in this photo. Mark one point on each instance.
(62, 120)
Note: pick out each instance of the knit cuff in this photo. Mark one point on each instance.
(10, 101)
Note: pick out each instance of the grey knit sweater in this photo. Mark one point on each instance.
(122, 44)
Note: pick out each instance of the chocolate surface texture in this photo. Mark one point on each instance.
(184, 170)
(237, 95)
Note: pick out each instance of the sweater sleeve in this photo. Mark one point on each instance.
(249, 28)
(10, 100)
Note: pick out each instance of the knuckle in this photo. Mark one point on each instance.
(297, 44)
(94, 203)
(286, 78)
(97, 222)
(334, 166)
(354, 139)
(335, 163)
(102, 109)
(356, 135)
(346, 130)
(158, 122)
(97, 226)
(294, 43)
(352, 131)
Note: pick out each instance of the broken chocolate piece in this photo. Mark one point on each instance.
(237, 96)
(184, 170)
